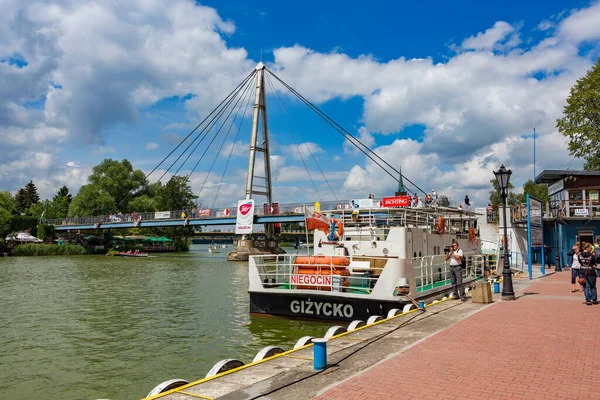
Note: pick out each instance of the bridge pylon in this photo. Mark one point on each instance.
(246, 245)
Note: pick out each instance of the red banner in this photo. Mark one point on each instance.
(399, 201)
(204, 212)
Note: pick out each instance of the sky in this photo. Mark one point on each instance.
(447, 91)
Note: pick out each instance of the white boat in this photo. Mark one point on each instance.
(224, 246)
(375, 263)
(213, 248)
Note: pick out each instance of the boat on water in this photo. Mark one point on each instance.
(213, 248)
(224, 246)
(367, 263)
(130, 253)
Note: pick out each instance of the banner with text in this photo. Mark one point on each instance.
(398, 201)
(245, 217)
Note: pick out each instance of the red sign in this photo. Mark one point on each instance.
(204, 212)
(399, 201)
(226, 212)
(245, 208)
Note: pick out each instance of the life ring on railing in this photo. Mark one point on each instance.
(472, 234)
(339, 230)
(441, 226)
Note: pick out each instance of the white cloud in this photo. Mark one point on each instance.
(545, 25)
(493, 39)
(151, 146)
(582, 25)
(72, 164)
(304, 151)
(237, 149)
(97, 63)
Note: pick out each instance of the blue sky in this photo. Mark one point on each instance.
(445, 90)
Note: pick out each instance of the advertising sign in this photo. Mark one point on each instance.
(581, 212)
(398, 201)
(162, 215)
(245, 217)
(365, 203)
(536, 237)
(204, 212)
(535, 212)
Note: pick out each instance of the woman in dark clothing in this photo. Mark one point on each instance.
(588, 270)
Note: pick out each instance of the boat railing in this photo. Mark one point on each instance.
(284, 272)
(432, 272)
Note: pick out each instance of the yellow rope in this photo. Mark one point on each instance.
(196, 395)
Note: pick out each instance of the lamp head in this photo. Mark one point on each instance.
(503, 177)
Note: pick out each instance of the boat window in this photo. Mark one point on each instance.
(420, 254)
(415, 255)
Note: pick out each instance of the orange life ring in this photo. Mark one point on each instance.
(339, 230)
(472, 234)
(441, 226)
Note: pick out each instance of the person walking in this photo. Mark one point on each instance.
(588, 272)
(575, 266)
(455, 256)
(547, 255)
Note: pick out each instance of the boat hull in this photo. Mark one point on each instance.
(324, 307)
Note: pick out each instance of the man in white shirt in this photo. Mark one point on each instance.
(455, 257)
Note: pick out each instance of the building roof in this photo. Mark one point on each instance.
(552, 175)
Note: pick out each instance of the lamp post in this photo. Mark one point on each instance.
(503, 177)
(556, 211)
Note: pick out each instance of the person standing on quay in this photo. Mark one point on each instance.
(575, 266)
(455, 256)
(588, 270)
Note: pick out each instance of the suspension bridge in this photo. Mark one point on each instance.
(225, 120)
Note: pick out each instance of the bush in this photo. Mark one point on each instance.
(45, 231)
(48, 250)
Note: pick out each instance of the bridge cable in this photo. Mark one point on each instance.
(232, 148)
(206, 129)
(347, 135)
(246, 94)
(218, 131)
(299, 153)
(192, 132)
(288, 114)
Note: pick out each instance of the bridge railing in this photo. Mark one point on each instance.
(342, 206)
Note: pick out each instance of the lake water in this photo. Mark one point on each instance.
(95, 327)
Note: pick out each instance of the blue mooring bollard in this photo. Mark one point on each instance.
(422, 305)
(319, 354)
(496, 287)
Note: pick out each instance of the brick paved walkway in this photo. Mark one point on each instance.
(545, 345)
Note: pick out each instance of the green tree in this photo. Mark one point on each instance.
(177, 194)
(581, 119)
(21, 201)
(538, 190)
(119, 180)
(91, 201)
(32, 194)
(63, 192)
(143, 203)
(496, 198)
(7, 209)
(443, 201)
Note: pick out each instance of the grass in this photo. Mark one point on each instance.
(48, 250)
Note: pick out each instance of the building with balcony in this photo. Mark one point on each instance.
(573, 214)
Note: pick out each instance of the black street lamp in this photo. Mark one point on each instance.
(503, 177)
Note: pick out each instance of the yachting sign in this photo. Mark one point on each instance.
(245, 217)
